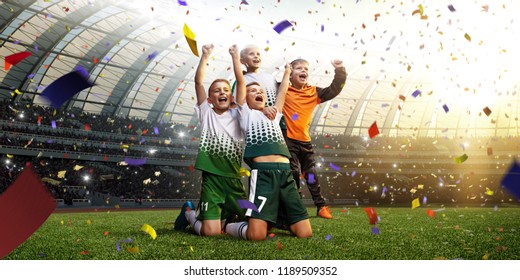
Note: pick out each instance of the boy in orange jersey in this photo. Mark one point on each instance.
(300, 102)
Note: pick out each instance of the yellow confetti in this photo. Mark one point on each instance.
(415, 203)
(77, 167)
(150, 230)
(489, 192)
(17, 91)
(190, 38)
(461, 159)
(89, 222)
(9, 156)
(244, 172)
(61, 174)
(133, 250)
(467, 37)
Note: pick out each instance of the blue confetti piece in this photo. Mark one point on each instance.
(311, 179)
(451, 8)
(322, 28)
(281, 26)
(294, 117)
(375, 230)
(182, 3)
(337, 168)
(445, 107)
(151, 56)
(156, 130)
(328, 237)
(62, 89)
(416, 93)
(246, 204)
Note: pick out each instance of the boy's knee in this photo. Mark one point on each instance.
(256, 236)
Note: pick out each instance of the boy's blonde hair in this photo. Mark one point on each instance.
(243, 52)
(298, 61)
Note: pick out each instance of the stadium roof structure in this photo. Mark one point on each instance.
(417, 68)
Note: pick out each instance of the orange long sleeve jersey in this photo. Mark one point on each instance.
(300, 103)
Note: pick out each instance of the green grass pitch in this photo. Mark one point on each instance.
(469, 233)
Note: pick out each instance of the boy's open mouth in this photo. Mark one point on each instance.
(259, 98)
(222, 99)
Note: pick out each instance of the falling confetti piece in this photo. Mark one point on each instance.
(337, 168)
(150, 230)
(511, 180)
(12, 60)
(135, 161)
(372, 215)
(294, 117)
(451, 8)
(489, 151)
(461, 158)
(445, 107)
(244, 172)
(466, 35)
(328, 237)
(134, 250)
(311, 179)
(182, 3)
(190, 38)
(416, 93)
(375, 230)
(66, 86)
(373, 131)
(487, 111)
(246, 204)
(430, 213)
(279, 246)
(19, 221)
(415, 203)
(281, 26)
(489, 192)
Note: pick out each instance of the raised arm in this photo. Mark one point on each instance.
(201, 70)
(340, 77)
(282, 89)
(239, 76)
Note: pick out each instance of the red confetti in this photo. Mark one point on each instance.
(373, 131)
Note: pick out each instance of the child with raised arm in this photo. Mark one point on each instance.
(300, 102)
(271, 185)
(219, 157)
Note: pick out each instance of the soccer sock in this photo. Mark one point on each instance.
(237, 230)
(192, 218)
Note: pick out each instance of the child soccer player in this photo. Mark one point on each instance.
(219, 157)
(271, 184)
(300, 102)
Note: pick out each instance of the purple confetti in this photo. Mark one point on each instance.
(452, 9)
(337, 168)
(294, 117)
(322, 28)
(151, 56)
(53, 124)
(353, 173)
(281, 26)
(118, 247)
(424, 200)
(156, 130)
(135, 161)
(327, 237)
(30, 76)
(375, 230)
(416, 93)
(182, 3)
(246, 204)
(310, 179)
(445, 107)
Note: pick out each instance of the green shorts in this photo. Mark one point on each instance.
(218, 197)
(272, 188)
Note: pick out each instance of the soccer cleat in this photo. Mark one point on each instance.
(324, 212)
(181, 223)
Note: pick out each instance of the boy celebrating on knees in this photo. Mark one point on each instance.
(219, 157)
(301, 100)
(271, 184)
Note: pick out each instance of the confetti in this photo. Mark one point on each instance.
(294, 117)
(19, 220)
(190, 38)
(311, 179)
(430, 213)
(244, 172)
(445, 107)
(15, 59)
(489, 151)
(415, 203)
(66, 86)
(328, 237)
(511, 180)
(451, 8)
(372, 215)
(150, 230)
(487, 111)
(246, 204)
(281, 26)
(461, 159)
(466, 35)
(416, 93)
(375, 230)
(337, 168)
(135, 161)
(373, 131)
(182, 3)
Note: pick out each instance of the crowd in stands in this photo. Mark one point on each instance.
(388, 170)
